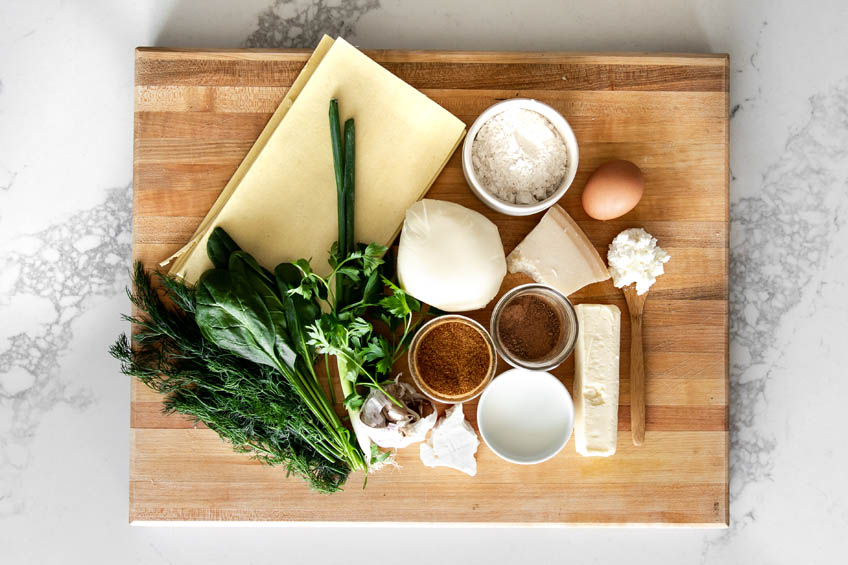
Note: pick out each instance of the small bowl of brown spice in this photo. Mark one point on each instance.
(452, 359)
(534, 327)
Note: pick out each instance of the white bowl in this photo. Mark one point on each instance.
(561, 126)
(525, 417)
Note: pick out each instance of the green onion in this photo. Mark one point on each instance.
(348, 191)
(338, 168)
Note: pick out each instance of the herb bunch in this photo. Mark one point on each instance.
(364, 295)
(249, 405)
(238, 351)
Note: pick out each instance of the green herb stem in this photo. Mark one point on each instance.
(349, 186)
(338, 168)
(329, 378)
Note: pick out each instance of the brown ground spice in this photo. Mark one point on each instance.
(452, 358)
(529, 327)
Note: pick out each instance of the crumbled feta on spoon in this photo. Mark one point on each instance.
(635, 262)
(635, 257)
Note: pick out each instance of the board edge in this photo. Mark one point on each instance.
(424, 55)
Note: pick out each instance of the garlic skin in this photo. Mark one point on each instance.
(452, 444)
(391, 426)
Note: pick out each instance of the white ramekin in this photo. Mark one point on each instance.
(525, 417)
(561, 126)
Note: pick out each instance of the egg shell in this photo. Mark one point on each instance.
(614, 189)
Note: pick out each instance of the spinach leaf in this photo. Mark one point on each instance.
(233, 316)
(297, 327)
(289, 277)
(219, 247)
(245, 264)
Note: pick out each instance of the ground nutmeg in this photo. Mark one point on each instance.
(529, 327)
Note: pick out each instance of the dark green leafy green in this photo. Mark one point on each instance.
(247, 404)
(259, 316)
(219, 247)
(233, 316)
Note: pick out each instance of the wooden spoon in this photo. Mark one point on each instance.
(635, 304)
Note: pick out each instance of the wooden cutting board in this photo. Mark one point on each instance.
(198, 112)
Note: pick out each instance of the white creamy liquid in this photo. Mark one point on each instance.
(524, 417)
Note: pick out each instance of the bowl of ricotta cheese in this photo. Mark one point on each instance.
(520, 156)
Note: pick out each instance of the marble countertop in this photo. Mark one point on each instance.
(66, 78)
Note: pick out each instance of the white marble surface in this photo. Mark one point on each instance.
(65, 172)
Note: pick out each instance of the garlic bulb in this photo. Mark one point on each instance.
(392, 426)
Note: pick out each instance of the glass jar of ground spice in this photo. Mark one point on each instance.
(534, 327)
(452, 358)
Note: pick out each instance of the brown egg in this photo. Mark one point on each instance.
(614, 189)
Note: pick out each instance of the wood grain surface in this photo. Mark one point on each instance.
(197, 114)
(636, 307)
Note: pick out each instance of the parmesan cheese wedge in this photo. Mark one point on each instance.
(281, 203)
(557, 253)
(596, 361)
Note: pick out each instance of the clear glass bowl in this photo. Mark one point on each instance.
(435, 395)
(565, 313)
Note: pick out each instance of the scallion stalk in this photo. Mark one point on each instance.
(338, 168)
(349, 201)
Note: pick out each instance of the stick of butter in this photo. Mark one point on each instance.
(596, 379)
